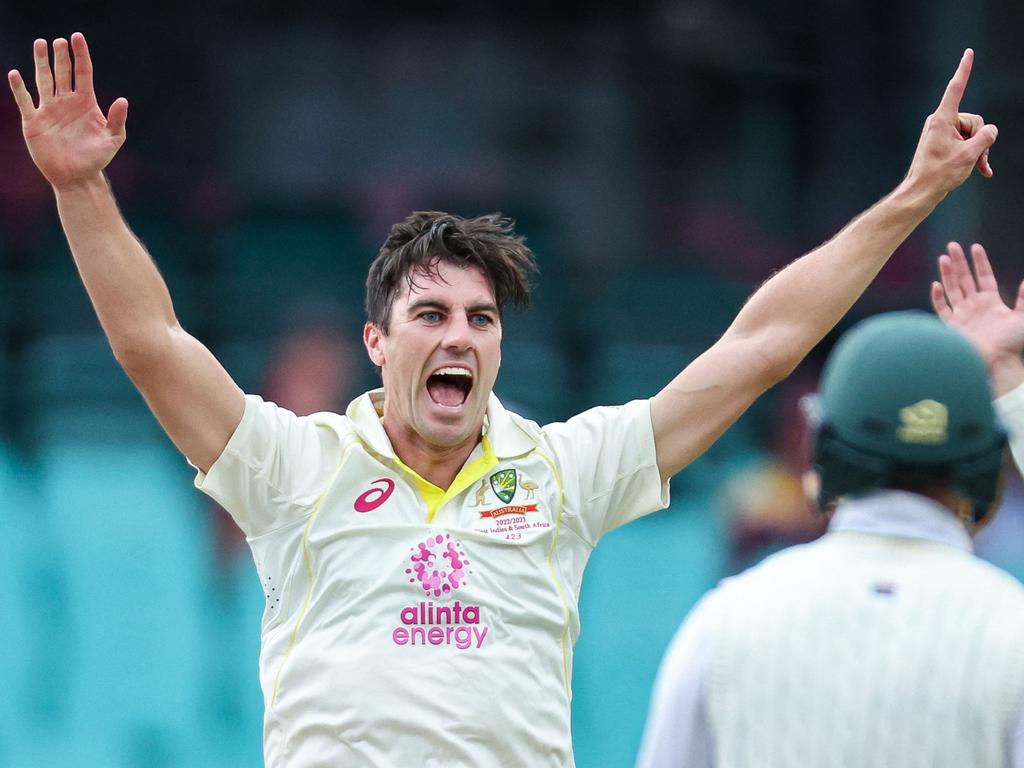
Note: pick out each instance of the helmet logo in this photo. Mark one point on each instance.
(924, 422)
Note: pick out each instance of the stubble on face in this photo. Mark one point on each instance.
(439, 361)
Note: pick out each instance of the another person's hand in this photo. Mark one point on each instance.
(952, 142)
(68, 136)
(970, 302)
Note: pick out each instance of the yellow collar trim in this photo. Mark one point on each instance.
(436, 497)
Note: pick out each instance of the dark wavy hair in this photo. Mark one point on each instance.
(417, 245)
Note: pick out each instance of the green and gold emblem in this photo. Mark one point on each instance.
(924, 422)
(503, 484)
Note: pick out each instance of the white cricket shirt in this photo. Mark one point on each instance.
(903, 547)
(407, 625)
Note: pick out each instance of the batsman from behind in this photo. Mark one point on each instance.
(422, 554)
(885, 642)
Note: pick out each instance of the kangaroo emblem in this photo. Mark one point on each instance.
(529, 486)
(481, 494)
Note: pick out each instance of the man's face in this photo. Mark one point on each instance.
(439, 358)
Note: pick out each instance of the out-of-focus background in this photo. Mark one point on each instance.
(662, 160)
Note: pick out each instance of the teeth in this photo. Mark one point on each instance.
(453, 372)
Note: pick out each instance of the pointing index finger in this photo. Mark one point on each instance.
(950, 104)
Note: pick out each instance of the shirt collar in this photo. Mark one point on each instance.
(903, 515)
(510, 435)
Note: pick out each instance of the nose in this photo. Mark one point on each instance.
(457, 333)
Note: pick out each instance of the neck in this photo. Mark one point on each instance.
(956, 503)
(438, 465)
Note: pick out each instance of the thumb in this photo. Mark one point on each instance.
(117, 116)
(983, 139)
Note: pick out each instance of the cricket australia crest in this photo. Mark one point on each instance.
(503, 484)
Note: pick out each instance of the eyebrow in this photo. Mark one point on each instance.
(486, 306)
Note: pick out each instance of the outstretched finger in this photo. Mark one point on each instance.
(44, 77)
(950, 104)
(83, 63)
(61, 66)
(21, 95)
(983, 268)
(939, 303)
(950, 283)
(962, 270)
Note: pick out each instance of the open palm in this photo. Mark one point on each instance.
(971, 303)
(67, 135)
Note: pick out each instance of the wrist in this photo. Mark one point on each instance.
(85, 184)
(916, 195)
(1007, 372)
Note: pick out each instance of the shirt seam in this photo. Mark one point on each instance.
(621, 476)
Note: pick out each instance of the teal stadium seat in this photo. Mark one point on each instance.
(621, 371)
(7, 383)
(272, 258)
(52, 302)
(677, 307)
(641, 581)
(27, 707)
(624, 371)
(534, 381)
(72, 387)
(232, 702)
(135, 547)
(55, 302)
(246, 360)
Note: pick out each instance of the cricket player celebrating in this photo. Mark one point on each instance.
(422, 554)
(886, 642)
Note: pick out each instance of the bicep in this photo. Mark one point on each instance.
(191, 394)
(703, 401)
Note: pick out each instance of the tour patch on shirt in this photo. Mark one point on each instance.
(501, 513)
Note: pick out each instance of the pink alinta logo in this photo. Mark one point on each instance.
(438, 565)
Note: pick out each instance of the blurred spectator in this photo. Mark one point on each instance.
(767, 510)
(314, 367)
(767, 506)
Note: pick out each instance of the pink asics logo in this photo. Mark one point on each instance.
(438, 564)
(373, 498)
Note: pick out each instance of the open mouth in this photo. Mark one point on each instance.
(449, 387)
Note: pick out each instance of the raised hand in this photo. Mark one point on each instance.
(971, 303)
(952, 142)
(67, 135)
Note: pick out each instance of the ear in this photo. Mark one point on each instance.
(373, 341)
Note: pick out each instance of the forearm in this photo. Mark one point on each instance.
(124, 285)
(1010, 407)
(794, 309)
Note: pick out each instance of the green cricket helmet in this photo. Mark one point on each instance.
(905, 400)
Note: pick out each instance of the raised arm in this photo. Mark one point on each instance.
(793, 310)
(71, 141)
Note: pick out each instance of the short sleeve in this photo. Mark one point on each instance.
(609, 466)
(1010, 408)
(275, 467)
